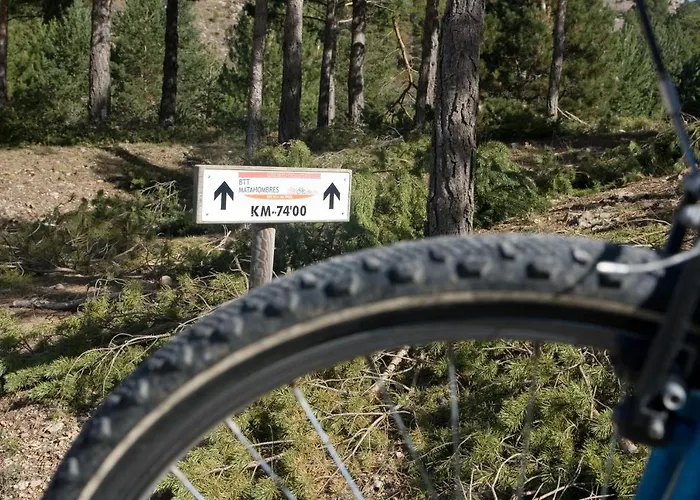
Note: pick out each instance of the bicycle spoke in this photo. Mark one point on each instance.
(258, 458)
(454, 418)
(529, 417)
(402, 430)
(186, 482)
(326, 442)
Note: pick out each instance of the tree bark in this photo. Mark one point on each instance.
(4, 17)
(451, 191)
(425, 93)
(99, 94)
(356, 77)
(331, 100)
(326, 92)
(290, 107)
(168, 100)
(255, 123)
(558, 36)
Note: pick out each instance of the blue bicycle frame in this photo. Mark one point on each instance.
(673, 472)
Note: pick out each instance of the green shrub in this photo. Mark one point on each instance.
(79, 359)
(389, 190)
(551, 177)
(106, 234)
(626, 163)
(502, 188)
(511, 119)
(568, 441)
(638, 92)
(689, 86)
(47, 96)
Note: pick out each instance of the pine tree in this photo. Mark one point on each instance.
(558, 35)
(425, 92)
(255, 95)
(168, 100)
(100, 80)
(290, 105)
(4, 17)
(356, 77)
(326, 93)
(451, 198)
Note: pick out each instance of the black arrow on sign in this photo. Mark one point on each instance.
(331, 191)
(223, 191)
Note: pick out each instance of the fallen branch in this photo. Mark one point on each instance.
(393, 365)
(572, 116)
(71, 305)
(48, 304)
(255, 464)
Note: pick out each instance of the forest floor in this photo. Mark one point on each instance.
(37, 180)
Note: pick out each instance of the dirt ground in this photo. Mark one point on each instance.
(37, 179)
(648, 201)
(32, 441)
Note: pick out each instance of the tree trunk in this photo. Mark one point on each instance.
(99, 95)
(290, 107)
(168, 100)
(4, 15)
(557, 61)
(326, 93)
(451, 191)
(425, 92)
(255, 123)
(331, 100)
(356, 77)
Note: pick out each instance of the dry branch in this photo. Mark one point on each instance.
(407, 65)
(404, 53)
(573, 117)
(393, 365)
(48, 304)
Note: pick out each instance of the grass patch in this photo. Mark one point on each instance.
(649, 235)
(14, 279)
(78, 360)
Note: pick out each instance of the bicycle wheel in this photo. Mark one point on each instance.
(512, 286)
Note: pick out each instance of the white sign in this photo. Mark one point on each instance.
(231, 194)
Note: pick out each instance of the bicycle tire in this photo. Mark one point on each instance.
(348, 305)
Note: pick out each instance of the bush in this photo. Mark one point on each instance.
(106, 234)
(568, 441)
(81, 358)
(689, 86)
(511, 119)
(503, 189)
(638, 92)
(623, 164)
(47, 98)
